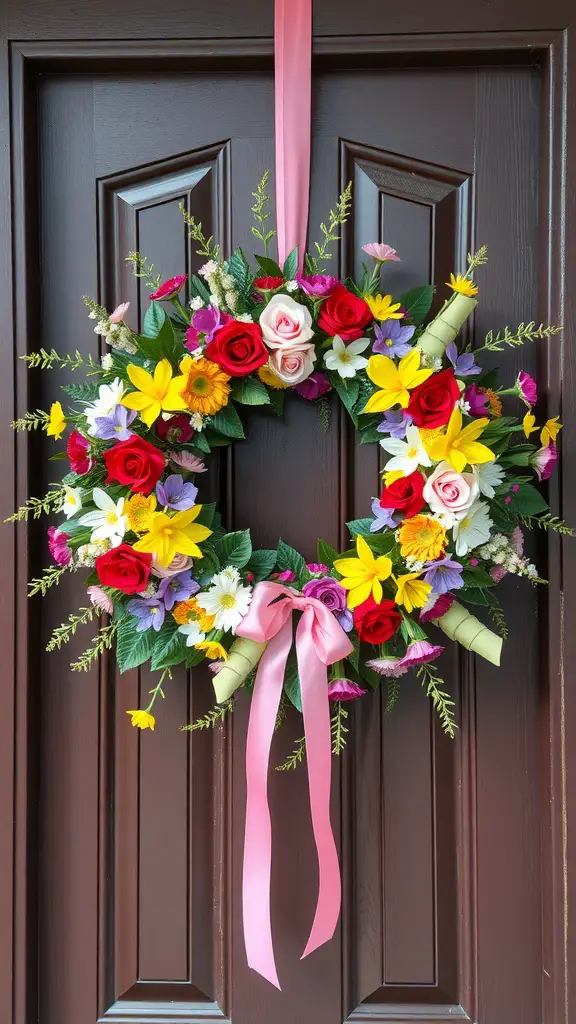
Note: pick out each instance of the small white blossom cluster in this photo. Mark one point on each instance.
(87, 554)
(413, 565)
(196, 303)
(501, 552)
(223, 293)
(430, 362)
(117, 335)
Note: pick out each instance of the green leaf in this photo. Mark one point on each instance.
(154, 318)
(518, 455)
(476, 577)
(169, 646)
(164, 346)
(240, 271)
(217, 440)
(417, 302)
(382, 543)
(201, 443)
(353, 658)
(501, 517)
(84, 391)
(206, 515)
(292, 682)
(498, 428)
(288, 558)
(235, 548)
(348, 393)
(326, 553)
(276, 397)
(290, 268)
(262, 563)
(133, 648)
(198, 289)
(193, 657)
(268, 266)
(370, 435)
(527, 501)
(227, 422)
(250, 391)
(360, 526)
(473, 595)
(209, 565)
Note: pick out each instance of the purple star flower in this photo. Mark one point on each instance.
(444, 575)
(464, 364)
(149, 611)
(115, 426)
(175, 588)
(176, 494)
(395, 423)
(207, 322)
(392, 339)
(384, 517)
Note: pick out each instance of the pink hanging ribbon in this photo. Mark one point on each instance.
(293, 101)
(320, 641)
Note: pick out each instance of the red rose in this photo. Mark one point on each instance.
(344, 314)
(376, 623)
(432, 402)
(238, 348)
(268, 284)
(136, 463)
(124, 569)
(405, 494)
(176, 430)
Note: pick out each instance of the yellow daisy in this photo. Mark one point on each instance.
(423, 538)
(168, 536)
(363, 575)
(56, 422)
(213, 649)
(412, 592)
(142, 719)
(139, 510)
(206, 389)
(382, 307)
(154, 394)
(459, 283)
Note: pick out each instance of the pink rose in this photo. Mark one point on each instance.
(285, 323)
(448, 491)
(119, 313)
(293, 365)
(178, 564)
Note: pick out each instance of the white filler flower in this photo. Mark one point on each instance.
(346, 359)
(408, 454)
(108, 522)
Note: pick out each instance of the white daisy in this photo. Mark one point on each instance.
(72, 501)
(108, 522)
(226, 599)
(192, 633)
(489, 475)
(408, 454)
(109, 396)
(230, 572)
(346, 359)
(473, 529)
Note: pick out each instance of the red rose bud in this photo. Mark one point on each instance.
(268, 284)
(405, 494)
(176, 430)
(169, 288)
(135, 463)
(432, 402)
(344, 314)
(124, 569)
(238, 348)
(376, 623)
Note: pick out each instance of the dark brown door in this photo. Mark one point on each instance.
(120, 854)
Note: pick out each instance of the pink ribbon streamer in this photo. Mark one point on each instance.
(293, 101)
(320, 641)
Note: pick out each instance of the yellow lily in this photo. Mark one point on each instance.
(459, 446)
(173, 535)
(412, 592)
(142, 719)
(362, 576)
(550, 431)
(56, 422)
(383, 308)
(395, 381)
(154, 394)
(528, 423)
(459, 283)
(213, 649)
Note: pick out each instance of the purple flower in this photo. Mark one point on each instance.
(58, 546)
(149, 611)
(317, 285)
(464, 364)
(177, 588)
(344, 689)
(444, 575)
(207, 322)
(526, 388)
(392, 339)
(383, 517)
(345, 620)
(544, 460)
(115, 426)
(287, 576)
(420, 652)
(316, 385)
(317, 568)
(328, 591)
(176, 494)
(477, 400)
(392, 667)
(395, 423)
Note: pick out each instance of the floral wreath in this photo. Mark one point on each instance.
(177, 588)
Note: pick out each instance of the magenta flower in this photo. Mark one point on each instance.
(286, 577)
(100, 600)
(344, 689)
(317, 567)
(176, 430)
(526, 388)
(381, 252)
(189, 461)
(316, 385)
(391, 667)
(318, 286)
(497, 573)
(78, 452)
(420, 652)
(206, 323)
(117, 316)
(477, 400)
(436, 606)
(169, 289)
(58, 546)
(544, 460)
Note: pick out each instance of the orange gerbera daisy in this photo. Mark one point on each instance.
(206, 389)
(186, 611)
(422, 538)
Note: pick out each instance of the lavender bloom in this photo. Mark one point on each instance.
(115, 426)
(420, 652)
(384, 517)
(345, 619)
(177, 588)
(444, 575)
(395, 423)
(392, 339)
(317, 285)
(328, 591)
(176, 494)
(149, 611)
(464, 364)
(207, 322)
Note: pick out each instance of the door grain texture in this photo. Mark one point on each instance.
(120, 852)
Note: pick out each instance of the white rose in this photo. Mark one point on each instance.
(293, 365)
(285, 323)
(448, 491)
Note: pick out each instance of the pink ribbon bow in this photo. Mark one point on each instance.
(320, 641)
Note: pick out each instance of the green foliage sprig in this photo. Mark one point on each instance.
(31, 420)
(517, 336)
(62, 634)
(49, 578)
(37, 507)
(206, 247)
(443, 703)
(262, 213)
(338, 728)
(547, 522)
(476, 259)
(215, 715)
(102, 642)
(45, 360)
(392, 694)
(142, 268)
(295, 758)
(338, 216)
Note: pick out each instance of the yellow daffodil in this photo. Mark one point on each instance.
(459, 283)
(412, 591)
(383, 308)
(139, 511)
(363, 576)
(391, 475)
(173, 535)
(56, 422)
(550, 431)
(423, 538)
(154, 394)
(142, 719)
(395, 381)
(459, 446)
(213, 649)
(529, 424)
